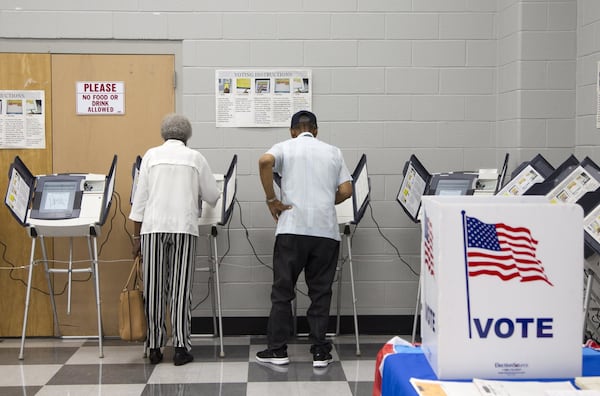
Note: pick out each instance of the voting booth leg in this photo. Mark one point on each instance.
(340, 271)
(50, 287)
(348, 245)
(217, 281)
(213, 302)
(29, 279)
(415, 318)
(346, 241)
(586, 300)
(94, 255)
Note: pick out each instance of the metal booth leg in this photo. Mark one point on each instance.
(348, 244)
(217, 281)
(92, 243)
(34, 236)
(339, 291)
(27, 295)
(586, 300)
(417, 305)
(50, 287)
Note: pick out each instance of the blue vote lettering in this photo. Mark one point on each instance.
(519, 327)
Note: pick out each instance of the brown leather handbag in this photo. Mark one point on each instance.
(132, 318)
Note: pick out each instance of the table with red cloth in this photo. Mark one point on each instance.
(404, 363)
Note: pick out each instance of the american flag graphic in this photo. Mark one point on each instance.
(503, 251)
(428, 251)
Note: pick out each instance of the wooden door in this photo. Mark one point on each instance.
(87, 144)
(23, 72)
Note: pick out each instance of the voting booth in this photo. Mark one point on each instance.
(219, 215)
(350, 212)
(417, 182)
(502, 282)
(61, 205)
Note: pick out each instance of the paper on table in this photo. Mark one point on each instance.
(520, 388)
(588, 382)
(572, 393)
(443, 388)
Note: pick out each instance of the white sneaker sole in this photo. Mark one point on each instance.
(321, 363)
(277, 361)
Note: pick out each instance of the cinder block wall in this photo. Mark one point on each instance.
(587, 137)
(457, 82)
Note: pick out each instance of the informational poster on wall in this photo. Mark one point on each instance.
(100, 97)
(22, 121)
(261, 98)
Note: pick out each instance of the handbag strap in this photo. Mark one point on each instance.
(135, 269)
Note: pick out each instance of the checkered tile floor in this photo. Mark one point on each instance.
(72, 367)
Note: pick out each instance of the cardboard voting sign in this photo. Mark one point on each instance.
(502, 284)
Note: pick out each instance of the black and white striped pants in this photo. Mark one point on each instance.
(168, 273)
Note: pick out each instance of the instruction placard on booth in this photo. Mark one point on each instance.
(100, 97)
(502, 282)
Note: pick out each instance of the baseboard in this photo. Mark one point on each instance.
(367, 324)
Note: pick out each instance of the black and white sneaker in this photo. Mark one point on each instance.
(272, 356)
(321, 359)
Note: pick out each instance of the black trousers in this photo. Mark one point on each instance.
(318, 258)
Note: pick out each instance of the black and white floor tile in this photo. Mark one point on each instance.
(72, 366)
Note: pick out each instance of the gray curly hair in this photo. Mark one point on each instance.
(176, 126)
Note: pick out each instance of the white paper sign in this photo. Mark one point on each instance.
(261, 98)
(22, 119)
(100, 97)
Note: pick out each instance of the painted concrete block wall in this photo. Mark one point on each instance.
(458, 82)
(588, 55)
(536, 78)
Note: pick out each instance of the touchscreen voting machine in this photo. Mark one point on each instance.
(590, 203)
(352, 210)
(526, 176)
(61, 205)
(135, 172)
(569, 182)
(69, 204)
(221, 212)
(417, 182)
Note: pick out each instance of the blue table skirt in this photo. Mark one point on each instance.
(400, 367)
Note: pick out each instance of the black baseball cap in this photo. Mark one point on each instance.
(303, 116)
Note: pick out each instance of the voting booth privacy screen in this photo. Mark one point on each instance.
(526, 175)
(417, 182)
(352, 210)
(59, 204)
(221, 212)
(501, 286)
(21, 183)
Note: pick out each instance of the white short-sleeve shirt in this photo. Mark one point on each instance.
(311, 172)
(172, 180)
